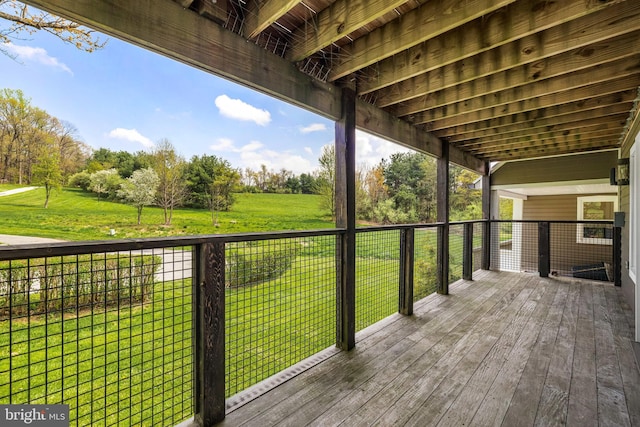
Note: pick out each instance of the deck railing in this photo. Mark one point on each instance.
(155, 331)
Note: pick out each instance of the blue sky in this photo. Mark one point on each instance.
(126, 98)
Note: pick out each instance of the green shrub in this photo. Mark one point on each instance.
(257, 263)
(40, 286)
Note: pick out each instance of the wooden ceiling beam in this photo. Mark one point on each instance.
(619, 90)
(598, 116)
(548, 152)
(516, 25)
(553, 75)
(545, 142)
(571, 61)
(556, 87)
(165, 27)
(262, 13)
(610, 124)
(544, 117)
(335, 22)
(430, 20)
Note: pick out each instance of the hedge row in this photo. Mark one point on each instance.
(253, 264)
(48, 285)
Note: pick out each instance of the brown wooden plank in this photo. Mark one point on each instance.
(340, 19)
(554, 66)
(623, 337)
(505, 360)
(383, 343)
(428, 21)
(383, 395)
(612, 405)
(261, 14)
(554, 400)
(463, 51)
(482, 334)
(524, 403)
(622, 90)
(478, 96)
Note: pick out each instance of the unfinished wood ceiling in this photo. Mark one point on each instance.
(501, 79)
(497, 79)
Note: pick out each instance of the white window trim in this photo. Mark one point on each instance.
(580, 228)
(634, 212)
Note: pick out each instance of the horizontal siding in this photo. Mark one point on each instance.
(556, 169)
(540, 208)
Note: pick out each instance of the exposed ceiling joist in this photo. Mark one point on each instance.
(428, 21)
(262, 13)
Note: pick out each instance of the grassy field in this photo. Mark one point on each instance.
(132, 364)
(76, 215)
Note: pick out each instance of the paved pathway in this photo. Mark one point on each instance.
(9, 239)
(16, 191)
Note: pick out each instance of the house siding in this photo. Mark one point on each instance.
(628, 287)
(556, 169)
(566, 252)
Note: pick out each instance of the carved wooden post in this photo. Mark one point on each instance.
(345, 203)
(209, 333)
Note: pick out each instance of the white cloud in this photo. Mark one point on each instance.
(275, 160)
(251, 146)
(313, 127)
(308, 150)
(370, 150)
(35, 54)
(223, 144)
(240, 110)
(131, 135)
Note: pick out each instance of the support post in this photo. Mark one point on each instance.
(209, 337)
(443, 216)
(486, 215)
(544, 249)
(617, 256)
(345, 203)
(406, 271)
(467, 252)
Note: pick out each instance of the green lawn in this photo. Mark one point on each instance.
(133, 364)
(77, 215)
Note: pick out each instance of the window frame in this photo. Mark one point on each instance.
(580, 216)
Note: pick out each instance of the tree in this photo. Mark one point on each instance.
(139, 189)
(23, 20)
(202, 171)
(326, 182)
(47, 172)
(172, 185)
(105, 181)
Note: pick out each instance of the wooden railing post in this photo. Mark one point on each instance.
(617, 256)
(442, 259)
(467, 252)
(208, 291)
(544, 249)
(406, 271)
(345, 203)
(486, 245)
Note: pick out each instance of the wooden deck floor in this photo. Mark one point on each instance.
(506, 349)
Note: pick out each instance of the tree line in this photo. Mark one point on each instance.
(36, 148)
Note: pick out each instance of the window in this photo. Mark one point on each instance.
(596, 208)
(634, 215)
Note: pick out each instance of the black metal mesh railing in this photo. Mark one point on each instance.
(425, 277)
(582, 250)
(456, 244)
(476, 254)
(109, 334)
(377, 275)
(280, 305)
(514, 246)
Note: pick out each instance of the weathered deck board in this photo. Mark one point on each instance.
(507, 349)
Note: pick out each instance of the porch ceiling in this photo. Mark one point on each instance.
(498, 79)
